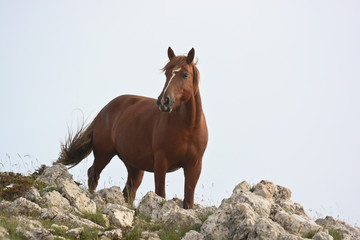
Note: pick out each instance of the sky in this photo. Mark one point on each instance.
(279, 82)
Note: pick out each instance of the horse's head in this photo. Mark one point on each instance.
(181, 84)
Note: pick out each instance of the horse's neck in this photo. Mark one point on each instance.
(191, 111)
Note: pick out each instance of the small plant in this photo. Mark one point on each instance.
(134, 234)
(204, 216)
(131, 207)
(59, 231)
(155, 226)
(10, 224)
(335, 234)
(95, 217)
(288, 210)
(90, 233)
(44, 190)
(163, 201)
(143, 223)
(252, 188)
(175, 234)
(309, 234)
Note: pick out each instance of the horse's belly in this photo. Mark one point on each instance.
(136, 155)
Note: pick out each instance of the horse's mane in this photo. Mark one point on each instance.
(180, 61)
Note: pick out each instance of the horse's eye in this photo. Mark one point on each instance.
(185, 75)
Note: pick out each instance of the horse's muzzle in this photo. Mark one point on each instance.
(165, 104)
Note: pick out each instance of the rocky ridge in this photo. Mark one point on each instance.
(65, 210)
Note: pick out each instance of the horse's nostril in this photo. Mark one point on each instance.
(166, 101)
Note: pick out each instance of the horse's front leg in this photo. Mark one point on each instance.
(192, 174)
(160, 169)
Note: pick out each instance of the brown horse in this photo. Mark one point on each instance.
(147, 139)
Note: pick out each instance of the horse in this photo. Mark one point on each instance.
(155, 135)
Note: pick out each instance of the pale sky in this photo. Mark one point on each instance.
(280, 83)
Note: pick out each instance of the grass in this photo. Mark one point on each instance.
(143, 223)
(335, 234)
(205, 216)
(90, 233)
(134, 234)
(59, 232)
(95, 217)
(309, 234)
(332, 232)
(10, 224)
(175, 234)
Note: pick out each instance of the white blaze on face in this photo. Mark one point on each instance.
(172, 76)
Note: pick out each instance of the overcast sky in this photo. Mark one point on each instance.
(280, 83)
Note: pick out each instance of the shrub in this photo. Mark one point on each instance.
(19, 185)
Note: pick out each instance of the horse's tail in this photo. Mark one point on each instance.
(77, 146)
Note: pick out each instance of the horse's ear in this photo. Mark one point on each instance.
(171, 53)
(190, 56)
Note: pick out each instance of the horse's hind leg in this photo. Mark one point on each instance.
(134, 179)
(101, 160)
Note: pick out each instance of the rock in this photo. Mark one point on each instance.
(243, 186)
(4, 233)
(191, 235)
(174, 216)
(150, 206)
(36, 234)
(259, 204)
(75, 232)
(77, 196)
(215, 226)
(265, 213)
(108, 195)
(54, 214)
(28, 223)
(119, 215)
(322, 236)
(55, 199)
(57, 176)
(61, 228)
(54, 175)
(181, 218)
(20, 206)
(60, 238)
(346, 231)
(296, 224)
(149, 236)
(115, 234)
(32, 195)
(32, 229)
(264, 228)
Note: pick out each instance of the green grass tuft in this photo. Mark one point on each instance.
(335, 234)
(90, 233)
(134, 234)
(10, 224)
(309, 234)
(175, 234)
(95, 217)
(204, 216)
